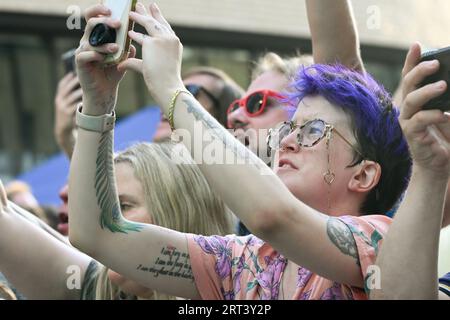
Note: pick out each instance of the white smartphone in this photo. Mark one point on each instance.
(120, 10)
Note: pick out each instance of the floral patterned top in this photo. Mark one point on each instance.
(247, 268)
(444, 284)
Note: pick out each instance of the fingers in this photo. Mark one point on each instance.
(154, 22)
(74, 97)
(73, 83)
(132, 53)
(3, 199)
(156, 13)
(414, 101)
(96, 10)
(438, 137)
(420, 121)
(412, 58)
(149, 23)
(96, 54)
(438, 149)
(416, 76)
(444, 128)
(131, 64)
(108, 48)
(110, 22)
(140, 8)
(137, 37)
(86, 57)
(68, 87)
(67, 78)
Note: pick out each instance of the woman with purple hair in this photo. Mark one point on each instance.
(318, 219)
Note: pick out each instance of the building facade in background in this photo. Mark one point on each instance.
(227, 34)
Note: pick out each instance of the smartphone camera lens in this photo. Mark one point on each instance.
(102, 34)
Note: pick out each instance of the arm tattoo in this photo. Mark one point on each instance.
(108, 105)
(90, 281)
(172, 263)
(110, 216)
(218, 132)
(342, 238)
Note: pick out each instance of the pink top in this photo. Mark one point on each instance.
(247, 268)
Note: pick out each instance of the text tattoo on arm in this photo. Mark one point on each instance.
(172, 263)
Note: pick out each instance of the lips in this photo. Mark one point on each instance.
(63, 225)
(286, 164)
(63, 228)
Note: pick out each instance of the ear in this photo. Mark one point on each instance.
(3, 199)
(366, 177)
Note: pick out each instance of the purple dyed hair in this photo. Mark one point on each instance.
(374, 123)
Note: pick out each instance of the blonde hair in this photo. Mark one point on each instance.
(18, 187)
(6, 293)
(177, 195)
(288, 66)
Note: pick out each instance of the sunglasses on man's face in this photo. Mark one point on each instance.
(196, 89)
(309, 134)
(255, 103)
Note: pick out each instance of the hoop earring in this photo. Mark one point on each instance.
(329, 175)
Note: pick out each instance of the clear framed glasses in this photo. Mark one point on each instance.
(308, 135)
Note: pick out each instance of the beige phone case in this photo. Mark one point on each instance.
(120, 11)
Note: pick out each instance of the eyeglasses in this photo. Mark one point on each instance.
(255, 103)
(309, 134)
(196, 89)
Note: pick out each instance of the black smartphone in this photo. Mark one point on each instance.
(68, 59)
(443, 55)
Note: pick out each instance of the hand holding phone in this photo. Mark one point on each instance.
(443, 56)
(68, 59)
(102, 34)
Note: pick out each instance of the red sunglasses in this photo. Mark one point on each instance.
(255, 103)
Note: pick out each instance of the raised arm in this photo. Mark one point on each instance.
(38, 222)
(333, 33)
(68, 95)
(408, 257)
(243, 181)
(143, 253)
(35, 262)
